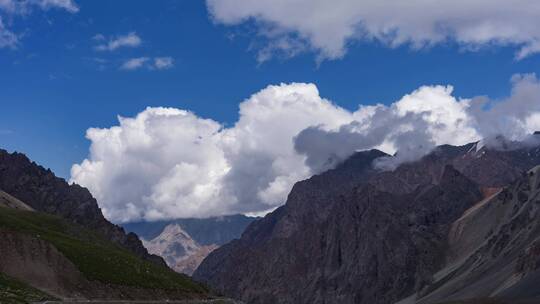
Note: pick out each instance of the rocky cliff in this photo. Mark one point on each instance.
(356, 234)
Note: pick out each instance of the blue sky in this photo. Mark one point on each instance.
(54, 84)
(52, 90)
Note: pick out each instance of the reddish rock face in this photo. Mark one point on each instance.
(358, 235)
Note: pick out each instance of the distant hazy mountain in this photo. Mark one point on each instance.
(179, 250)
(208, 231)
(184, 243)
(460, 223)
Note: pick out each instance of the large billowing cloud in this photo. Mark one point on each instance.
(328, 26)
(168, 163)
(413, 125)
(420, 121)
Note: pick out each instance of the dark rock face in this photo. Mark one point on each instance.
(358, 235)
(45, 192)
(505, 261)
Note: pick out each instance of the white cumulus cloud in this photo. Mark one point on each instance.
(414, 125)
(328, 26)
(169, 163)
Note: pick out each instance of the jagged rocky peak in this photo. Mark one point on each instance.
(43, 191)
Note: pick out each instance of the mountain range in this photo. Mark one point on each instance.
(460, 223)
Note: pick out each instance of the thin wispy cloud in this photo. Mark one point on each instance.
(163, 63)
(157, 63)
(68, 5)
(16, 8)
(8, 39)
(98, 37)
(134, 63)
(130, 40)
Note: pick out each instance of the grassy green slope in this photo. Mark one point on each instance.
(95, 257)
(15, 292)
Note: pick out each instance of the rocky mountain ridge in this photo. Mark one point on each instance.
(358, 235)
(43, 191)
